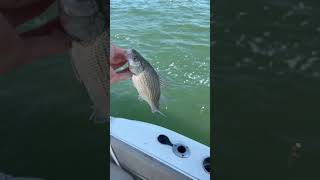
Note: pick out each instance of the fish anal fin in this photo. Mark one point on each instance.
(140, 98)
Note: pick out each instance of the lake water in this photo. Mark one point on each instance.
(174, 36)
(44, 127)
(266, 93)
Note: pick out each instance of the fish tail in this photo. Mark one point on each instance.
(92, 116)
(159, 112)
(98, 118)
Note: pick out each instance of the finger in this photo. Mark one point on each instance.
(9, 4)
(12, 47)
(116, 77)
(18, 13)
(116, 66)
(124, 75)
(45, 29)
(126, 70)
(112, 72)
(117, 55)
(46, 45)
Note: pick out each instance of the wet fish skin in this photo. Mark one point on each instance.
(85, 23)
(81, 19)
(91, 63)
(145, 79)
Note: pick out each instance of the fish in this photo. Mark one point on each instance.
(82, 20)
(89, 54)
(90, 64)
(145, 79)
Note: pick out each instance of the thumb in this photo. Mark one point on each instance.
(119, 76)
(124, 74)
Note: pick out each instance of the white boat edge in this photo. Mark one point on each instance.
(154, 160)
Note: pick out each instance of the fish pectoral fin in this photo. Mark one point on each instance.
(153, 111)
(140, 98)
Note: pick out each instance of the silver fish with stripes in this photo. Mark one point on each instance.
(145, 79)
(85, 22)
(91, 66)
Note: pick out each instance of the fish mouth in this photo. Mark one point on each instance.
(79, 8)
(82, 20)
(129, 55)
(133, 65)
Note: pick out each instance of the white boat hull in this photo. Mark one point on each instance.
(138, 151)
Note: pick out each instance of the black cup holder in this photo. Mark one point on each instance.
(206, 164)
(178, 149)
(181, 150)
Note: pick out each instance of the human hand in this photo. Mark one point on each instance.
(118, 58)
(17, 49)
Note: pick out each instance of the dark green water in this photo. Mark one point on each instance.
(266, 89)
(174, 36)
(44, 126)
(266, 97)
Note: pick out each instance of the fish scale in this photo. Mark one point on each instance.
(147, 90)
(91, 64)
(145, 79)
